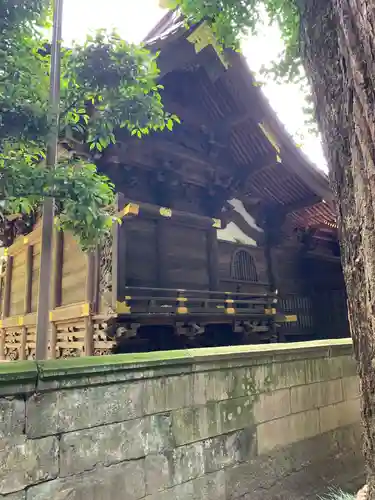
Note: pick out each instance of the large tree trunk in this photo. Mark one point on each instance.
(338, 46)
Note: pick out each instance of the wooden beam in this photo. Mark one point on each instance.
(175, 57)
(134, 148)
(181, 54)
(118, 260)
(251, 232)
(301, 204)
(71, 311)
(192, 114)
(213, 259)
(187, 218)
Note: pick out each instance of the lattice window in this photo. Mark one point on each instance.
(243, 267)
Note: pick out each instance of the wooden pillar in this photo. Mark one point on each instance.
(58, 255)
(2, 343)
(119, 256)
(274, 221)
(6, 302)
(161, 253)
(213, 259)
(7, 287)
(27, 298)
(96, 291)
(89, 295)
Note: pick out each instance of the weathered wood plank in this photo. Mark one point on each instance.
(7, 287)
(64, 313)
(213, 259)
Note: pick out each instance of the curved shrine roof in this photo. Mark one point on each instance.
(294, 184)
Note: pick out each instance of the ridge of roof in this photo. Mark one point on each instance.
(168, 25)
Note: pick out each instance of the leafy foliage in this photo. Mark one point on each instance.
(106, 85)
(83, 197)
(109, 85)
(231, 20)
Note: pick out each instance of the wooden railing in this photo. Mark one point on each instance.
(167, 302)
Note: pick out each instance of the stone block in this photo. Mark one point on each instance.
(208, 487)
(202, 422)
(106, 445)
(157, 471)
(227, 450)
(187, 463)
(212, 386)
(195, 423)
(235, 414)
(168, 393)
(323, 369)
(163, 495)
(287, 430)
(12, 417)
(74, 409)
(307, 397)
(248, 381)
(351, 387)
(285, 375)
(110, 444)
(157, 434)
(24, 462)
(125, 481)
(276, 376)
(339, 415)
(272, 405)
(348, 366)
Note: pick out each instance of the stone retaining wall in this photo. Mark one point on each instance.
(212, 424)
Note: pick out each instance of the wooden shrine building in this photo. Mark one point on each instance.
(228, 233)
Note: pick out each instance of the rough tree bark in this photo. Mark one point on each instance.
(338, 44)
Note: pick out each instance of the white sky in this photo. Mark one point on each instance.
(133, 19)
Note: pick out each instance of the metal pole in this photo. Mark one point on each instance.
(42, 327)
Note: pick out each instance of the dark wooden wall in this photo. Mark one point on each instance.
(328, 295)
(310, 285)
(163, 253)
(228, 281)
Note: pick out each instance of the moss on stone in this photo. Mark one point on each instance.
(75, 367)
(18, 371)
(115, 362)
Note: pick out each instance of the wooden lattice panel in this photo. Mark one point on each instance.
(30, 342)
(70, 338)
(13, 340)
(102, 343)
